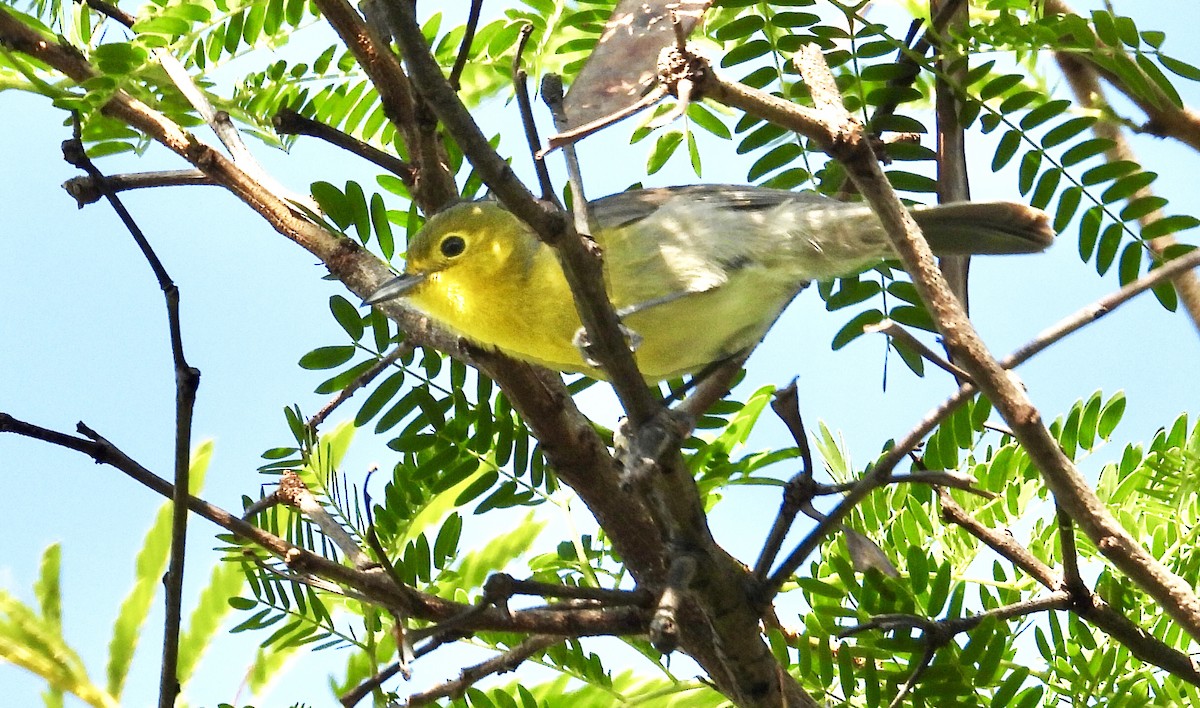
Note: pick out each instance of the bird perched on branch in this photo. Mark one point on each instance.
(697, 273)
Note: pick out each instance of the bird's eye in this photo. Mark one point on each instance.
(453, 246)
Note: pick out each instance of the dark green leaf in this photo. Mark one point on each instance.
(347, 316)
(1068, 202)
(1170, 225)
(1088, 148)
(326, 357)
(1043, 113)
(1130, 264)
(1067, 130)
(1110, 243)
(854, 328)
(1180, 68)
(1089, 231)
(1009, 142)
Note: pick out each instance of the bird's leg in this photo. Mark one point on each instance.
(632, 338)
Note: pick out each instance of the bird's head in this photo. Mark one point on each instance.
(467, 249)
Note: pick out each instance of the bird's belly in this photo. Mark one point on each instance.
(684, 335)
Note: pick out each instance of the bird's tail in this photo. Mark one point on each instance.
(984, 228)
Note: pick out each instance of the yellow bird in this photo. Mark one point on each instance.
(697, 273)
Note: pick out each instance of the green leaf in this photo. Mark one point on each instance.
(347, 316)
(1130, 264)
(999, 85)
(774, 159)
(663, 149)
(1046, 187)
(1009, 142)
(742, 53)
(1089, 231)
(740, 28)
(48, 588)
(1067, 130)
(226, 581)
(1180, 68)
(1043, 113)
(327, 357)
(1111, 414)
(1068, 203)
(151, 564)
(854, 328)
(1082, 151)
(357, 203)
(333, 203)
(1031, 162)
(1106, 28)
(383, 227)
(379, 398)
(1169, 225)
(1110, 243)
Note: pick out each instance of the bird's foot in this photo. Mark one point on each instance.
(583, 343)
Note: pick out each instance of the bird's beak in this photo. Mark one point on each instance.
(396, 287)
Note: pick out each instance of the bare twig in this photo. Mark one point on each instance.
(500, 664)
(464, 49)
(799, 490)
(521, 87)
(952, 181)
(892, 329)
(500, 587)
(363, 379)
(569, 136)
(187, 379)
(289, 122)
(110, 10)
(85, 190)
(1072, 580)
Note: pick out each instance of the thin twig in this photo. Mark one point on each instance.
(502, 663)
(799, 490)
(1072, 580)
(86, 190)
(892, 329)
(110, 10)
(363, 379)
(187, 380)
(464, 49)
(521, 87)
(289, 122)
(569, 136)
(552, 96)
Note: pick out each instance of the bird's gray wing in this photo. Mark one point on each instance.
(625, 208)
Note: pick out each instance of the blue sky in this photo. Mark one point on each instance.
(83, 338)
